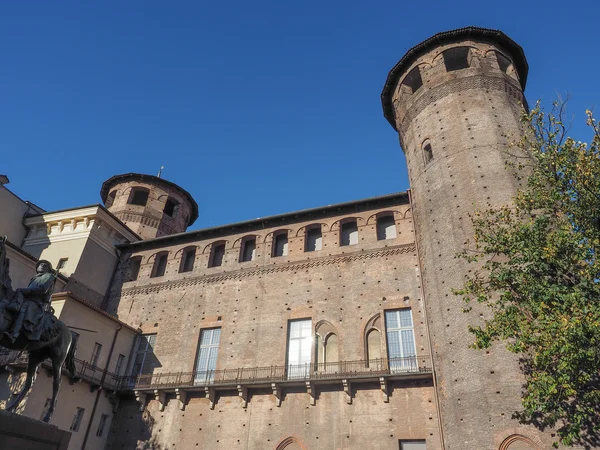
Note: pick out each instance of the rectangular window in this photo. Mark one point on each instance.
(314, 239)
(248, 250)
(145, 361)
(62, 263)
(280, 244)
(456, 58)
(160, 265)
(102, 425)
(217, 254)
(77, 419)
(349, 233)
(400, 340)
(134, 267)
(46, 408)
(119, 365)
(413, 445)
(187, 261)
(171, 207)
(208, 352)
(299, 348)
(139, 196)
(96, 354)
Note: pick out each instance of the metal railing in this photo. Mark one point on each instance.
(277, 374)
(249, 375)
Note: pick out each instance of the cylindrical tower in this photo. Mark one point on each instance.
(149, 205)
(456, 100)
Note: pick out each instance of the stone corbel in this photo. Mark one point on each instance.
(141, 398)
(311, 392)
(161, 397)
(181, 396)
(243, 393)
(348, 391)
(277, 393)
(384, 388)
(211, 395)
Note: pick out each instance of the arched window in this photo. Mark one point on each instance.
(518, 442)
(171, 207)
(110, 199)
(349, 233)
(138, 196)
(456, 58)
(413, 80)
(217, 252)
(373, 346)
(134, 268)
(427, 152)
(188, 258)
(290, 443)
(248, 249)
(503, 62)
(280, 244)
(386, 227)
(313, 238)
(160, 265)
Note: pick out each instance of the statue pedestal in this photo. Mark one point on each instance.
(24, 433)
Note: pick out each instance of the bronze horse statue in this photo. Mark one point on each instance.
(55, 343)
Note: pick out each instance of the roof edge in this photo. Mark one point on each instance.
(442, 38)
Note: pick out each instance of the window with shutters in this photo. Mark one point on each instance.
(208, 353)
(400, 340)
(314, 238)
(386, 227)
(349, 233)
(96, 354)
(280, 244)
(248, 250)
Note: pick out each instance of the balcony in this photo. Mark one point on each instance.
(277, 378)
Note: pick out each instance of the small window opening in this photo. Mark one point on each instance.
(134, 267)
(413, 79)
(160, 265)
(456, 58)
(503, 62)
(187, 260)
(139, 196)
(386, 228)
(314, 239)
(349, 234)
(171, 207)
(77, 418)
(248, 250)
(62, 263)
(280, 244)
(110, 199)
(427, 152)
(217, 254)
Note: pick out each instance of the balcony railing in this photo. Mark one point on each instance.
(375, 368)
(290, 374)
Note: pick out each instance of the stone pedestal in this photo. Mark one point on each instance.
(24, 433)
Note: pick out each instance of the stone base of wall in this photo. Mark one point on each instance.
(24, 433)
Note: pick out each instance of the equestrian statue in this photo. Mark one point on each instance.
(27, 323)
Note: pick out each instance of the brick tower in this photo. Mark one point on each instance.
(149, 205)
(455, 101)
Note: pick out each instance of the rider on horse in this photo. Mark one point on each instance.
(32, 303)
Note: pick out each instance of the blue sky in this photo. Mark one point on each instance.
(256, 108)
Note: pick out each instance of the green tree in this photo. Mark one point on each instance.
(538, 272)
